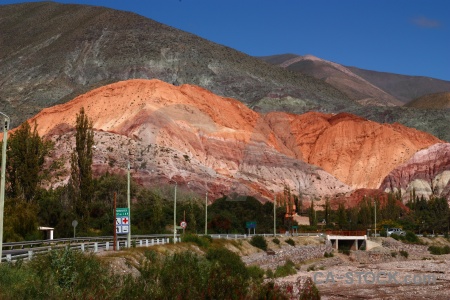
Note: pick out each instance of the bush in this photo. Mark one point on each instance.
(436, 250)
(328, 254)
(311, 268)
(285, 270)
(201, 241)
(276, 241)
(290, 242)
(394, 254)
(255, 273)
(411, 237)
(259, 242)
(345, 251)
(404, 253)
(62, 274)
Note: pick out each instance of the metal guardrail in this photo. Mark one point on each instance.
(28, 249)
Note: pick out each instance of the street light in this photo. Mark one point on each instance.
(129, 205)
(175, 214)
(206, 213)
(375, 203)
(2, 181)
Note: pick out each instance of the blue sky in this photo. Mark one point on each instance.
(400, 36)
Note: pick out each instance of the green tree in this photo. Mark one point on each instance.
(80, 185)
(312, 215)
(26, 152)
(342, 216)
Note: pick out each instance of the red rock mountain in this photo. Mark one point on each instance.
(213, 143)
(426, 173)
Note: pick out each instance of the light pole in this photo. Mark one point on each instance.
(175, 214)
(375, 207)
(275, 216)
(2, 182)
(129, 207)
(206, 214)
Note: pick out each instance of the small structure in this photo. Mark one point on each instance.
(350, 241)
(48, 232)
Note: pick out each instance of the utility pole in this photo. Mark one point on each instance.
(275, 216)
(115, 225)
(175, 215)
(129, 207)
(375, 203)
(206, 213)
(2, 181)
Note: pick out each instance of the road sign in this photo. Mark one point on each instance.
(183, 224)
(250, 225)
(122, 221)
(122, 212)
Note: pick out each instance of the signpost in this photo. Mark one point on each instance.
(74, 225)
(250, 225)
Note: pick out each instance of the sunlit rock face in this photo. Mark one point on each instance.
(427, 173)
(203, 141)
(359, 152)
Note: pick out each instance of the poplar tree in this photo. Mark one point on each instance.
(26, 152)
(80, 185)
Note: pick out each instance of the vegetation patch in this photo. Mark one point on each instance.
(259, 242)
(436, 250)
(290, 242)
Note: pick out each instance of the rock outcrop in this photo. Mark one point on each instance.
(216, 144)
(357, 151)
(203, 141)
(426, 173)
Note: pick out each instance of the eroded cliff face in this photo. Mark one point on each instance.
(188, 134)
(218, 144)
(426, 173)
(357, 151)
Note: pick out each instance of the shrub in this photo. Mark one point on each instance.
(255, 273)
(62, 274)
(285, 270)
(201, 241)
(290, 242)
(411, 237)
(276, 241)
(346, 251)
(436, 250)
(311, 268)
(394, 254)
(404, 253)
(328, 254)
(259, 242)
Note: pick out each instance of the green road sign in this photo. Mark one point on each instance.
(122, 212)
(250, 224)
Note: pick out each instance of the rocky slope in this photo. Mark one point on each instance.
(188, 134)
(436, 101)
(365, 86)
(354, 86)
(426, 173)
(51, 52)
(378, 91)
(357, 151)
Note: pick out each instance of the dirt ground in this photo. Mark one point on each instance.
(382, 273)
